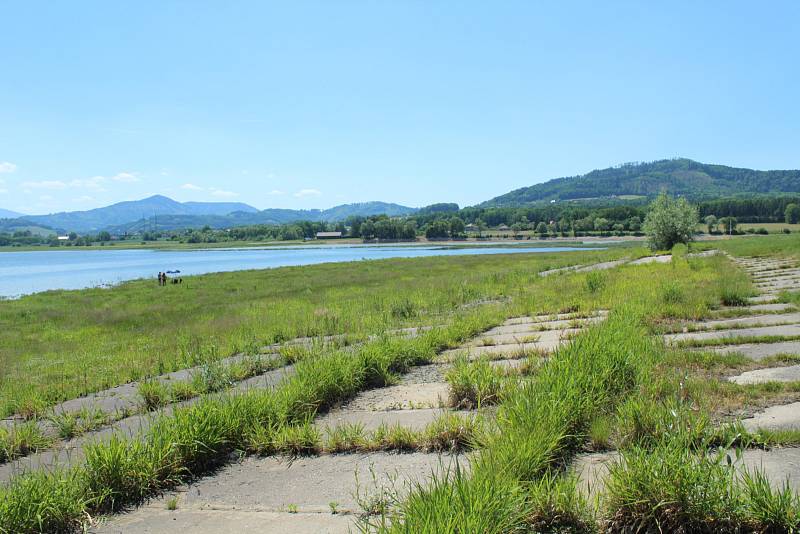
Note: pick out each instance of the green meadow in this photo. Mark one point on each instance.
(62, 344)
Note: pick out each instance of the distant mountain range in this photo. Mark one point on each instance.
(697, 181)
(631, 181)
(163, 213)
(8, 214)
(267, 216)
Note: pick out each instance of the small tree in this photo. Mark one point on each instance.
(711, 223)
(104, 236)
(670, 221)
(792, 213)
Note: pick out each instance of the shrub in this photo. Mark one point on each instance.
(670, 221)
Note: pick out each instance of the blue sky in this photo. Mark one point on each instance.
(312, 104)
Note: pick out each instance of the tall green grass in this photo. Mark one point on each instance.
(539, 427)
(63, 344)
(198, 438)
(516, 482)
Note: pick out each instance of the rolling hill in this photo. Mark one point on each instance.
(166, 214)
(8, 214)
(267, 216)
(697, 181)
(124, 212)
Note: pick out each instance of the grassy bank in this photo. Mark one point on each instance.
(606, 387)
(196, 439)
(63, 344)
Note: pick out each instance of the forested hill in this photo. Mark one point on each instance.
(697, 181)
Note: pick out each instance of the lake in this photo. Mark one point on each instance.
(28, 272)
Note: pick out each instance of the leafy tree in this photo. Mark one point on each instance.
(517, 228)
(792, 214)
(437, 229)
(409, 230)
(456, 226)
(602, 224)
(73, 236)
(368, 229)
(670, 221)
(104, 236)
(711, 223)
(541, 229)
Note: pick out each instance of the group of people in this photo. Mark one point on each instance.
(162, 279)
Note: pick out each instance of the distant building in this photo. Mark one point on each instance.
(329, 235)
(503, 227)
(63, 238)
(471, 228)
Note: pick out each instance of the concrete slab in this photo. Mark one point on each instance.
(772, 374)
(370, 419)
(784, 417)
(763, 299)
(545, 344)
(401, 397)
(750, 321)
(532, 328)
(126, 396)
(666, 258)
(553, 317)
(778, 464)
(592, 471)
(215, 520)
(782, 330)
(783, 285)
(772, 307)
(305, 485)
(70, 452)
(535, 326)
(759, 351)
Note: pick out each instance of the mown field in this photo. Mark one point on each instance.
(62, 344)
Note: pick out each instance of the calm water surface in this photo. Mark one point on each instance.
(22, 273)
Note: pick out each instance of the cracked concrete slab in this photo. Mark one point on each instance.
(772, 307)
(782, 330)
(401, 397)
(783, 417)
(371, 419)
(305, 485)
(772, 374)
(759, 351)
(763, 299)
(750, 321)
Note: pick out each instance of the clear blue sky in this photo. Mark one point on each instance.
(311, 104)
